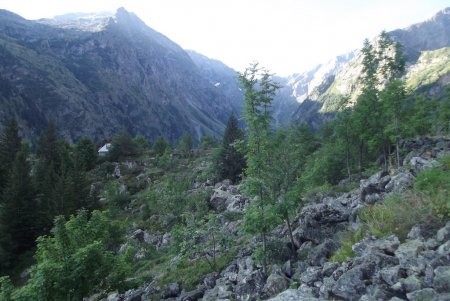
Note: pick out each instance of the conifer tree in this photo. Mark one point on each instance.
(9, 147)
(19, 213)
(160, 146)
(231, 160)
(259, 90)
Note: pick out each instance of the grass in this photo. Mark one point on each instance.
(428, 201)
(190, 272)
(345, 251)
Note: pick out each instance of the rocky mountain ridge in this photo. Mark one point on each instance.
(381, 268)
(417, 40)
(92, 75)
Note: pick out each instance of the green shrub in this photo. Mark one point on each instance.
(77, 259)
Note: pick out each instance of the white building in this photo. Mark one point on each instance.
(102, 151)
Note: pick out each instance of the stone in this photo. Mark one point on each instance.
(322, 252)
(350, 286)
(250, 286)
(209, 280)
(194, 295)
(311, 275)
(444, 248)
(390, 275)
(410, 284)
(419, 164)
(400, 182)
(396, 299)
(171, 290)
(407, 255)
(426, 294)
(442, 297)
(139, 235)
(441, 281)
(113, 297)
(276, 282)
(287, 269)
(293, 295)
(329, 268)
(443, 234)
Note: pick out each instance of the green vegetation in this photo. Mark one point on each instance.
(345, 251)
(230, 161)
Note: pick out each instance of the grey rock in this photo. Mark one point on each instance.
(250, 286)
(322, 252)
(287, 269)
(410, 284)
(113, 297)
(293, 295)
(218, 292)
(350, 286)
(329, 268)
(441, 281)
(426, 294)
(443, 234)
(276, 282)
(396, 299)
(444, 248)
(139, 235)
(415, 233)
(442, 297)
(407, 254)
(311, 275)
(194, 295)
(419, 164)
(390, 275)
(171, 290)
(209, 280)
(400, 182)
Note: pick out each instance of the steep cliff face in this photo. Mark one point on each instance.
(93, 74)
(425, 46)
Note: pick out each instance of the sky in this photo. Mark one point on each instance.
(285, 36)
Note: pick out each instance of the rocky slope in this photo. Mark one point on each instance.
(93, 74)
(384, 268)
(420, 42)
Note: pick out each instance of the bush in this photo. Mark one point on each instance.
(77, 259)
(396, 215)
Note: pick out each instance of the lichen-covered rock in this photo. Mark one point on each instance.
(443, 234)
(426, 294)
(293, 295)
(350, 286)
(441, 281)
(276, 282)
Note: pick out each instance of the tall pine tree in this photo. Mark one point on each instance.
(231, 160)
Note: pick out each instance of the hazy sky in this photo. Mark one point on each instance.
(286, 36)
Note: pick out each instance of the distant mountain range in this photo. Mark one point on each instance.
(426, 49)
(93, 74)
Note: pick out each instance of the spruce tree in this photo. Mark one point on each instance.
(259, 90)
(19, 214)
(231, 160)
(9, 147)
(160, 146)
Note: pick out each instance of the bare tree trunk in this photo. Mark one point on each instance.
(291, 237)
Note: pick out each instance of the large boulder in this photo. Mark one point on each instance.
(293, 295)
(441, 282)
(276, 282)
